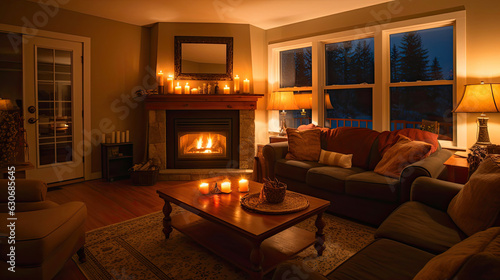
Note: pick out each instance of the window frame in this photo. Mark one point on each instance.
(382, 83)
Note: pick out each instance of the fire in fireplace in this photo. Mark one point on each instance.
(203, 144)
(202, 139)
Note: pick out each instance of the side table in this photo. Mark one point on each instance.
(458, 169)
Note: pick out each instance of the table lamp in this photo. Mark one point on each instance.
(282, 100)
(480, 98)
(303, 101)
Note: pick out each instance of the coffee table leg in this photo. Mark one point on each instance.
(320, 236)
(256, 258)
(167, 221)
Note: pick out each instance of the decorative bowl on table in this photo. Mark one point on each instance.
(273, 191)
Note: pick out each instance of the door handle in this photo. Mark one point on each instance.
(32, 120)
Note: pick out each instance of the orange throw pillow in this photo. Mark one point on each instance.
(477, 206)
(400, 155)
(303, 145)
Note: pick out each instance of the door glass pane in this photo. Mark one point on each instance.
(296, 68)
(350, 62)
(54, 105)
(349, 107)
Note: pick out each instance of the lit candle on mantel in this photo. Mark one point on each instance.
(227, 90)
(243, 185)
(178, 89)
(225, 187)
(170, 84)
(246, 86)
(160, 78)
(236, 84)
(194, 91)
(186, 89)
(204, 188)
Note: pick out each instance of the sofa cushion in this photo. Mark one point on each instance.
(477, 206)
(400, 155)
(388, 138)
(371, 185)
(294, 169)
(42, 232)
(303, 145)
(447, 264)
(351, 140)
(383, 259)
(419, 225)
(330, 178)
(335, 159)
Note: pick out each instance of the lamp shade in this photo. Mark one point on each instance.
(480, 98)
(328, 102)
(6, 105)
(282, 100)
(304, 101)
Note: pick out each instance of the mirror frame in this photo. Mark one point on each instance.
(179, 75)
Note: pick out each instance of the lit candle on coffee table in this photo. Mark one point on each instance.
(225, 187)
(243, 185)
(204, 188)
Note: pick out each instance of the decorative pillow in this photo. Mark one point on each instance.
(401, 154)
(476, 207)
(303, 145)
(335, 159)
(448, 264)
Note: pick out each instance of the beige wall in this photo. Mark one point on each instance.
(482, 27)
(249, 57)
(119, 56)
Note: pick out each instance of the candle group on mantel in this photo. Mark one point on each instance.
(117, 137)
(178, 89)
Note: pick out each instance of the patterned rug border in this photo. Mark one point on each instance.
(97, 268)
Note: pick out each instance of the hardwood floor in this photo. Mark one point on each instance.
(107, 203)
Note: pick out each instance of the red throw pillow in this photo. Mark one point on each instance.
(303, 145)
(400, 155)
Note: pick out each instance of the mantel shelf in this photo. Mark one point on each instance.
(202, 101)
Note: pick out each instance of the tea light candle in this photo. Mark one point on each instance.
(204, 188)
(186, 89)
(170, 84)
(236, 84)
(194, 91)
(178, 89)
(226, 90)
(246, 86)
(243, 185)
(160, 78)
(225, 187)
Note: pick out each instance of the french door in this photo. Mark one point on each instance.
(53, 108)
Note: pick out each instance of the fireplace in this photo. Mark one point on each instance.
(202, 139)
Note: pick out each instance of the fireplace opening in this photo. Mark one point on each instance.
(202, 139)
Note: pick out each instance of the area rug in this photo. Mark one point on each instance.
(137, 249)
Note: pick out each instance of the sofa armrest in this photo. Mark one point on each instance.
(296, 270)
(272, 153)
(434, 193)
(430, 166)
(25, 190)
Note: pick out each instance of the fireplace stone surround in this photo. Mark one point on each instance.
(157, 131)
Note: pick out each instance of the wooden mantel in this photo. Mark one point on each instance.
(202, 102)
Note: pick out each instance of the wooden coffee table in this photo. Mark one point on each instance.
(256, 243)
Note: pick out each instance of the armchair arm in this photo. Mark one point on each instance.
(273, 152)
(433, 192)
(430, 166)
(25, 190)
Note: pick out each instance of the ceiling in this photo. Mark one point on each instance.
(265, 14)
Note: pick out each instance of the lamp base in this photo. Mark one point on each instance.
(282, 123)
(483, 137)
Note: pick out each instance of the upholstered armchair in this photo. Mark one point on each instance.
(46, 234)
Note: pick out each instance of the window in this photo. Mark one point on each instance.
(349, 63)
(422, 78)
(295, 68)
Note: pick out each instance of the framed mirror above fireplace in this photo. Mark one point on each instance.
(203, 58)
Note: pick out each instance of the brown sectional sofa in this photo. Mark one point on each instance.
(356, 192)
(410, 237)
